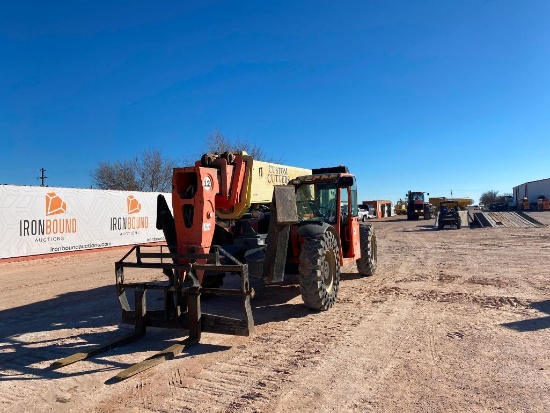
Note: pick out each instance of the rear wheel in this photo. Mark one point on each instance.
(319, 271)
(440, 224)
(427, 214)
(366, 265)
(458, 224)
(365, 217)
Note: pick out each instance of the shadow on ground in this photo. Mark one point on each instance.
(34, 335)
(533, 324)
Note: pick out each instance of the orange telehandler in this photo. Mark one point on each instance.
(231, 215)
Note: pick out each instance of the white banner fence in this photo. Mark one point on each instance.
(45, 220)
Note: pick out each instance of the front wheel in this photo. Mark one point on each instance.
(319, 271)
(366, 265)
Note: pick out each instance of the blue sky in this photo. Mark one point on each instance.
(436, 96)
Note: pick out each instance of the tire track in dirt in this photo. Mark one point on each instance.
(457, 297)
(406, 242)
(376, 349)
(369, 364)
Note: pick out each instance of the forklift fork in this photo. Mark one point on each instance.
(182, 306)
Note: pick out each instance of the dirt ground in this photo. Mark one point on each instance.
(453, 320)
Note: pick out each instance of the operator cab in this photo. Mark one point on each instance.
(329, 196)
(317, 202)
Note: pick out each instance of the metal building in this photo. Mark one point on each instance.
(532, 190)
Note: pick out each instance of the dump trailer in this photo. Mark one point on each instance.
(416, 206)
(231, 218)
(462, 202)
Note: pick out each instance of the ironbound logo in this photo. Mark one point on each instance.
(133, 205)
(49, 226)
(131, 222)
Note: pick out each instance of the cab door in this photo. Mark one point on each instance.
(349, 228)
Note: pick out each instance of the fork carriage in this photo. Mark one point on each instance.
(182, 309)
(182, 304)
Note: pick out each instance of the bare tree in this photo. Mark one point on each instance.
(149, 172)
(153, 172)
(119, 176)
(217, 142)
(489, 197)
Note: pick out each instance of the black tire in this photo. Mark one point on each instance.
(427, 213)
(365, 218)
(366, 265)
(319, 271)
(440, 224)
(458, 224)
(212, 280)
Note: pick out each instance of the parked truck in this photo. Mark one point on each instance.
(507, 203)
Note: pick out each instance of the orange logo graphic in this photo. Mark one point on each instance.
(133, 205)
(54, 204)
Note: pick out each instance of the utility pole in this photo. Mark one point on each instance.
(42, 177)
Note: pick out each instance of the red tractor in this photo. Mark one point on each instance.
(417, 206)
